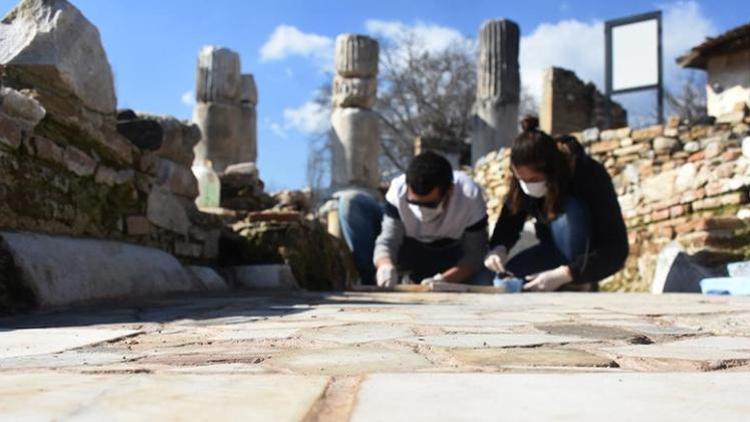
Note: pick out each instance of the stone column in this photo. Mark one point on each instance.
(224, 110)
(498, 88)
(248, 148)
(355, 137)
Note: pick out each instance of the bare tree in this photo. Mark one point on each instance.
(689, 103)
(319, 149)
(423, 94)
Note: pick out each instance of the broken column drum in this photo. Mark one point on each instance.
(498, 88)
(225, 110)
(355, 128)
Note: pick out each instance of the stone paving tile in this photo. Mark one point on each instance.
(362, 360)
(524, 357)
(256, 334)
(492, 340)
(158, 397)
(553, 397)
(40, 341)
(701, 349)
(353, 334)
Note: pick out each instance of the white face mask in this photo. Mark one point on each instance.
(426, 215)
(534, 190)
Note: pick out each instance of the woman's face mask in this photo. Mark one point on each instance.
(535, 189)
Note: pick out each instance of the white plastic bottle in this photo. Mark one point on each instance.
(209, 186)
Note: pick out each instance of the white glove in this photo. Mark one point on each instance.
(437, 283)
(432, 280)
(496, 259)
(549, 281)
(387, 276)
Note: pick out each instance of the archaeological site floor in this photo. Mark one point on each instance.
(382, 357)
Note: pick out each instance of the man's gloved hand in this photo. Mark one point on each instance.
(437, 278)
(496, 259)
(549, 281)
(387, 276)
(437, 283)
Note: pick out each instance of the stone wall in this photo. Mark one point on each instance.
(54, 183)
(571, 105)
(680, 182)
(70, 164)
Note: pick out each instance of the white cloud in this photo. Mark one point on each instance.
(685, 26)
(309, 118)
(287, 41)
(579, 46)
(571, 44)
(278, 130)
(188, 98)
(432, 38)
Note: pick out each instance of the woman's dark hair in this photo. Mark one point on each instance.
(428, 171)
(536, 149)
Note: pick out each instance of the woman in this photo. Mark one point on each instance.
(582, 236)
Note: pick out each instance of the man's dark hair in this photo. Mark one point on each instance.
(428, 171)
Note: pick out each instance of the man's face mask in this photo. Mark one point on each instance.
(535, 189)
(427, 211)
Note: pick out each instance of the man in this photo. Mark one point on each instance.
(434, 226)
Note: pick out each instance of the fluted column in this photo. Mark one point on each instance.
(498, 88)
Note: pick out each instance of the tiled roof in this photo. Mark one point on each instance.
(735, 39)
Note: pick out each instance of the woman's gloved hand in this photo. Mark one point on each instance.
(548, 281)
(496, 259)
(387, 276)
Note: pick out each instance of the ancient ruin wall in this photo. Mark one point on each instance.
(572, 105)
(64, 166)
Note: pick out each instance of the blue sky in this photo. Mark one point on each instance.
(287, 45)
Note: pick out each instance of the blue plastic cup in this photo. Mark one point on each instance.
(510, 284)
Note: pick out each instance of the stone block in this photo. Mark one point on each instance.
(21, 106)
(78, 161)
(178, 178)
(178, 138)
(248, 90)
(10, 132)
(112, 177)
(647, 133)
(221, 126)
(604, 146)
(48, 150)
(590, 135)
(165, 210)
(137, 225)
(62, 271)
(218, 77)
(62, 48)
(356, 56)
(354, 92)
(663, 144)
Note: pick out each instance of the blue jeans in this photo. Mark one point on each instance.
(360, 217)
(567, 238)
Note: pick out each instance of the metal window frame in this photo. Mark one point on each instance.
(659, 87)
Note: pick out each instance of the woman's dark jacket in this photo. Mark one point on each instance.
(592, 185)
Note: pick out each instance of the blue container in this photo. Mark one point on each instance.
(735, 286)
(510, 284)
